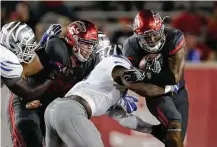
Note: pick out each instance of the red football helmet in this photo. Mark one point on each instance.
(149, 29)
(82, 36)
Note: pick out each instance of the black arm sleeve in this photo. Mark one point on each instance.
(43, 57)
(57, 51)
(22, 88)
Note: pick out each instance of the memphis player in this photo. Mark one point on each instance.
(67, 119)
(18, 59)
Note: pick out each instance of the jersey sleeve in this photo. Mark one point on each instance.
(43, 57)
(178, 42)
(129, 50)
(57, 51)
(10, 66)
(121, 61)
(89, 65)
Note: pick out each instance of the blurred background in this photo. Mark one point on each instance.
(198, 21)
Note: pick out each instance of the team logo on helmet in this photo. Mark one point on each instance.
(77, 27)
(157, 18)
(136, 22)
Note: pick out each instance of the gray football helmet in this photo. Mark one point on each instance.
(19, 38)
(105, 49)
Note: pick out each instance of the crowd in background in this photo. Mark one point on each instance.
(199, 24)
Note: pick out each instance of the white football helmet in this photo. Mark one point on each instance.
(19, 38)
(105, 49)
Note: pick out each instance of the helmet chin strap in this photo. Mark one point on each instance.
(76, 52)
(80, 57)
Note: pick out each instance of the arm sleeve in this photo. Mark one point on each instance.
(44, 58)
(129, 50)
(57, 51)
(177, 43)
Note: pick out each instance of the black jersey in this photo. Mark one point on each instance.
(57, 51)
(174, 42)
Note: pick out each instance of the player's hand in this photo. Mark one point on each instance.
(52, 31)
(175, 88)
(33, 104)
(135, 75)
(128, 103)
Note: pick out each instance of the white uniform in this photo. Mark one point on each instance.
(10, 64)
(99, 89)
(67, 119)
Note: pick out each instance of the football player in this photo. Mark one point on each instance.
(18, 60)
(72, 54)
(158, 53)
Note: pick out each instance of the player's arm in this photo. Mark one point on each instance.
(143, 89)
(45, 59)
(11, 75)
(22, 88)
(33, 68)
(177, 63)
(148, 90)
(129, 120)
(55, 54)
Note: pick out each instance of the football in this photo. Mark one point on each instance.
(147, 61)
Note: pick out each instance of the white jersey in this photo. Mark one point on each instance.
(99, 89)
(10, 64)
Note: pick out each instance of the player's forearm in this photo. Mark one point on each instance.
(144, 89)
(147, 90)
(26, 91)
(33, 68)
(130, 121)
(162, 78)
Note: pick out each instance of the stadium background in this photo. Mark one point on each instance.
(198, 20)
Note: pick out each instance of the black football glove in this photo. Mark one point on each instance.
(136, 75)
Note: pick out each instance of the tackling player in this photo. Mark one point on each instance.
(159, 53)
(18, 61)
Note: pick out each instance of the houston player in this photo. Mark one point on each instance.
(159, 53)
(72, 54)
